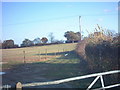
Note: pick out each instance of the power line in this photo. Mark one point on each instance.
(58, 18)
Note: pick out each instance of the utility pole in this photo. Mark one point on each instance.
(80, 26)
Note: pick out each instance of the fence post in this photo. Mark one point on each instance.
(24, 56)
(63, 50)
(58, 51)
(18, 86)
(46, 54)
(39, 55)
(55, 54)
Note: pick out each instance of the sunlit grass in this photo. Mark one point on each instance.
(36, 54)
(56, 65)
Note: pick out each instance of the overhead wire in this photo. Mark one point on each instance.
(52, 19)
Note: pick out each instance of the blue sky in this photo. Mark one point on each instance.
(30, 20)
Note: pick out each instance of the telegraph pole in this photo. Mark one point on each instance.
(80, 26)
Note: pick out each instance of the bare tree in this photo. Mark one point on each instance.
(51, 37)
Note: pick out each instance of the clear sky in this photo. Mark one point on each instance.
(30, 20)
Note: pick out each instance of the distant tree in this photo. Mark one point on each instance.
(36, 41)
(51, 37)
(16, 46)
(78, 35)
(59, 41)
(26, 43)
(8, 44)
(72, 36)
(44, 40)
(0, 44)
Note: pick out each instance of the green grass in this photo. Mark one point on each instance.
(16, 55)
(71, 57)
(57, 66)
(9, 65)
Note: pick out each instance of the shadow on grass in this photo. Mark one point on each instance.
(41, 72)
(57, 53)
(64, 55)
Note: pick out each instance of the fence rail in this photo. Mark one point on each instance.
(97, 75)
(26, 56)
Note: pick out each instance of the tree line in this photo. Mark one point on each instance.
(71, 37)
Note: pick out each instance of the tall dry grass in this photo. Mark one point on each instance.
(100, 50)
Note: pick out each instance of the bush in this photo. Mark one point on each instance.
(100, 51)
(80, 48)
(102, 56)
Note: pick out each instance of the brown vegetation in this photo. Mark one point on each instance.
(100, 50)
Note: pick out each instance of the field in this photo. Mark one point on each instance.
(43, 63)
(35, 54)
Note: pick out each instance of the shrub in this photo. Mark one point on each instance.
(100, 50)
(80, 48)
(102, 56)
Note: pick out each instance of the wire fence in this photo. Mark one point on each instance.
(25, 56)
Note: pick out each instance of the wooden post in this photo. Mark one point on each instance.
(39, 55)
(18, 86)
(24, 56)
(55, 54)
(58, 51)
(80, 26)
(46, 54)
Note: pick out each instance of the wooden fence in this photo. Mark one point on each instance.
(43, 55)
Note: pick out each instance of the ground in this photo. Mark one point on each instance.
(59, 63)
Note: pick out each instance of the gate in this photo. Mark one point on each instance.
(97, 75)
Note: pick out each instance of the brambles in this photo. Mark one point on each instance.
(102, 56)
(100, 50)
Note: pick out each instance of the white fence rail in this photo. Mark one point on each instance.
(97, 75)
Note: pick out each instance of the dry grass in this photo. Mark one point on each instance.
(34, 54)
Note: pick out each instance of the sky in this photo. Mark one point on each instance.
(30, 20)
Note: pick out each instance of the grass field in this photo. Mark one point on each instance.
(60, 62)
(35, 54)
